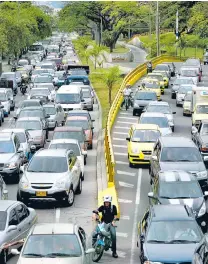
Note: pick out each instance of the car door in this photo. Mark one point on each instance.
(19, 156)
(74, 169)
(82, 237)
(24, 221)
(62, 114)
(154, 162)
(143, 225)
(13, 235)
(155, 191)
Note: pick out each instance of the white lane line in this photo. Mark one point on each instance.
(124, 201)
(123, 122)
(121, 162)
(124, 113)
(134, 231)
(125, 184)
(119, 234)
(120, 154)
(118, 127)
(126, 172)
(58, 213)
(120, 133)
(119, 146)
(121, 254)
(124, 217)
(119, 139)
(131, 118)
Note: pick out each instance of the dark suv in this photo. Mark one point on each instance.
(201, 252)
(168, 234)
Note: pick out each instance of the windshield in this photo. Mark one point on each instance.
(69, 135)
(36, 48)
(161, 68)
(23, 62)
(71, 146)
(21, 137)
(7, 147)
(36, 72)
(40, 91)
(68, 98)
(3, 218)
(162, 122)
(54, 49)
(48, 164)
(43, 79)
(192, 62)
(50, 110)
(9, 76)
(31, 113)
(52, 245)
(86, 93)
(155, 76)
(189, 73)
(78, 123)
(184, 89)
(153, 85)
(183, 81)
(180, 189)
(202, 109)
(3, 97)
(145, 135)
(146, 96)
(28, 125)
(174, 232)
(29, 103)
(180, 154)
(164, 109)
(204, 129)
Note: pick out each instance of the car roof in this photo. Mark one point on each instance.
(77, 118)
(153, 114)
(5, 204)
(177, 141)
(51, 153)
(53, 228)
(146, 127)
(68, 128)
(176, 175)
(60, 141)
(170, 213)
(29, 119)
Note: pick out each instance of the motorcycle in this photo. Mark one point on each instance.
(103, 240)
(23, 88)
(128, 101)
(149, 68)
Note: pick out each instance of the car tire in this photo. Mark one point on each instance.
(172, 96)
(134, 112)
(184, 114)
(0, 122)
(47, 133)
(82, 177)
(177, 104)
(173, 129)
(17, 177)
(3, 119)
(91, 109)
(130, 165)
(79, 187)
(69, 201)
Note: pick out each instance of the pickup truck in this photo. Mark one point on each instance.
(200, 138)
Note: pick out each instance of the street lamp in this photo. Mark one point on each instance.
(158, 29)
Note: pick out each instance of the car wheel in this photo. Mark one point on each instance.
(79, 187)
(184, 114)
(172, 96)
(134, 112)
(91, 109)
(82, 176)
(70, 198)
(3, 118)
(177, 104)
(0, 122)
(131, 165)
(173, 129)
(3, 256)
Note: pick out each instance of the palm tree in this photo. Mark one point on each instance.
(95, 52)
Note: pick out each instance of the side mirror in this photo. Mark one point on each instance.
(173, 113)
(11, 228)
(9, 99)
(154, 158)
(89, 251)
(82, 100)
(128, 138)
(15, 117)
(92, 127)
(15, 251)
(52, 100)
(183, 100)
(160, 99)
(1, 106)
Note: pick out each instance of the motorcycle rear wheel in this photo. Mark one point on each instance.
(97, 255)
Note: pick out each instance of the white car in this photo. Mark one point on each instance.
(37, 72)
(52, 174)
(40, 91)
(56, 113)
(72, 144)
(5, 101)
(164, 108)
(158, 119)
(183, 89)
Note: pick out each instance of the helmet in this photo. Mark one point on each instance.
(128, 85)
(143, 84)
(33, 148)
(107, 198)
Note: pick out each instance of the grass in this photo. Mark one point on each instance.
(120, 49)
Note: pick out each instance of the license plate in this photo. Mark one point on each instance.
(41, 194)
(146, 157)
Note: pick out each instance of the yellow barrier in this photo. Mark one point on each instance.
(131, 78)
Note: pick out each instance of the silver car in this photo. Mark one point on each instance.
(56, 113)
(61, 242)
(88, 99)
(16, 222)
(187, 104)
(184, 88)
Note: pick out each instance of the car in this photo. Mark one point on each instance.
(180, 187)
(191, 73)
(164, 108)
(51, 174)
(86, 87)
(11, 76)
(82, 121)
(176, 84)
(194, 62)
(201, 252)
(168, 234)
(77, 78)
(3, 189)
(60, 81)
(35, 127)
(160, 78)
(72, 133)
(72, 144)
(16, 221)
(27, 103)
(196, 69)
(172, 68)
(40, 91)
(56, 115)
(178, 153)
(141, 140)
(159, 119)
(37, 72)
(5, 102)
(141, 100)
(88, 99)
(163, 67)
(200, 137)
(58, 74)
(187, 104)
(165, 75)
(62, 242)
(153, 86)
(24, 138)
(183, 89)
(48, 65)
(46, 79)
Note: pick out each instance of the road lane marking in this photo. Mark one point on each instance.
(119, 146)
(126, 184)
(124, 113)
(124, 122)
(127, 118)
(120, 133)
(126, 172)
(119, 234)
(58, 213)
(121, 254)
(120, 154)
(124, 217)
(134, 231)
(119, 139)
(124, 201)
(121, 162)
(118, 127)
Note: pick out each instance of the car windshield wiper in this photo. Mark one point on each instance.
(34, 255)
(184, 160)
(61, 255)
(175, 241)
(157, 241)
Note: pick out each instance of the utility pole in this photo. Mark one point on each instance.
(158, 29)
(129, 29)
(101, 30)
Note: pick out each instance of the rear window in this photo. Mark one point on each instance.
(69, 135)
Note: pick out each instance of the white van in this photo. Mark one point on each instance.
(70, 97)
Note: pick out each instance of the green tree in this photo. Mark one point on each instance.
(95, 51)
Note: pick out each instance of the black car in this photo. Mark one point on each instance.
(168, 234)
(201, 252)
(180, 187)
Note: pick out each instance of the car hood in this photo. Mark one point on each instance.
(35, 133)
(194, 203)
(186, 166)
(77, 260)
(174, 253)
(142, 145)
(40, 177)
(6, 157)
(143, 102)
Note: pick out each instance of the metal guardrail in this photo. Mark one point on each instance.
(131, 78)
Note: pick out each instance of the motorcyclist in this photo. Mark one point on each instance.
(149, 66)
(31, 153)
(109, 214)
(126, 92)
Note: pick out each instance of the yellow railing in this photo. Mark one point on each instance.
(131, 78)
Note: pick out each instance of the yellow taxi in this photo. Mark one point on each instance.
(154, 86)
(159, 77)
(141, 140)
(165, 77)
(200, 112)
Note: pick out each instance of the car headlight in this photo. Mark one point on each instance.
(201, 174)
(24, 183)
(134, 150)
(61, 183)
(11, 165)
(202, 210)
